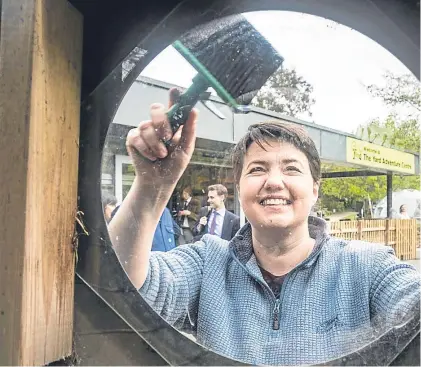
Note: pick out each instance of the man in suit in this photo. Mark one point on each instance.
(215, 219)
(187, 216)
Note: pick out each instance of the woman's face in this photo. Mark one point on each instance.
(276, 188)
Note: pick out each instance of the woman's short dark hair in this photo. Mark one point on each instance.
(267, 132)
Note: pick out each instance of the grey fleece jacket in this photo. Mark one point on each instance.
(332, 303)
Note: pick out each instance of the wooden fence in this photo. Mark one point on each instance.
(401, 234)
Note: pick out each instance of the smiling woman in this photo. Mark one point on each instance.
(282, 291)
(277, 188)
(282, 279)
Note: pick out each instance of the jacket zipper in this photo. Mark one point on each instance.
(277, 307)
(275, 324)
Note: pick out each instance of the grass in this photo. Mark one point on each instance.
(351, 217)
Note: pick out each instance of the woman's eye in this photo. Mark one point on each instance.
(293, 168)
(256, 169)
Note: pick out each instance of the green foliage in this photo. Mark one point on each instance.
(352, 189)
(392, 132)
(399, 90)
(285, 92)
(330, 203)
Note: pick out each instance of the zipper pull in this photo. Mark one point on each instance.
(275, 325)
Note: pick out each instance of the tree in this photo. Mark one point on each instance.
(404, 135)
(393, 133)
(399, 90)
(361, 188)
(285, 92)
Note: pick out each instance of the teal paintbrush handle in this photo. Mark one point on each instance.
(179, 113)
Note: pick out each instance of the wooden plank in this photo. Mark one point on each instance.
(360, 230)
(399, 238)
(40, 187)
(414, 239)
(17, 22)
(340, 231)
(373, 229)
(406, 238)
(401, 234)
(52, 165)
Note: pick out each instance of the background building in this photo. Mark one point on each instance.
(211, 162)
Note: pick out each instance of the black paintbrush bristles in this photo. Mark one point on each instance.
(236, 54)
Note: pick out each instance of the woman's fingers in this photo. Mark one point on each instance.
(174, 96)
(188, 134)
(160, 122)
(185, 137)
(148, 139)
(153, 141)
(136, 145)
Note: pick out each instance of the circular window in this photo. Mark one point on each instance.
(261, 249)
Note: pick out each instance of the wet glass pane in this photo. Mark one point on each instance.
(270, 255)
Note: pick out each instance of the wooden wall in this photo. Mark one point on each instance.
(40, 73)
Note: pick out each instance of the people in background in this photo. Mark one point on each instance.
(282, 291)
(215, 219)
(166, 233)
(187, 216)
(403, 213)
(164, 238)
(109, 203)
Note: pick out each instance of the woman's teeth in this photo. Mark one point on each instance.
(275, 202)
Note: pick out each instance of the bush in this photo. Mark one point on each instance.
(330, 203)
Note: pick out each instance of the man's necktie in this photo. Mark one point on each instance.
(213, 224)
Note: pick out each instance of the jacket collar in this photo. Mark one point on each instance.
(241, 245)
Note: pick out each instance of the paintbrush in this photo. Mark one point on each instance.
(230, 56)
